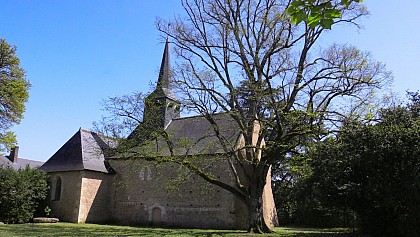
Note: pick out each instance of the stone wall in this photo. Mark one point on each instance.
(167, 195)
(66, 207)
(95, 197)
(84, 196)
(141, 193)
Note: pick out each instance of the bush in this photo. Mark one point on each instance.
(21, 192)
(374, 170)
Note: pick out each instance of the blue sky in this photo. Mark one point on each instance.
(77, 53)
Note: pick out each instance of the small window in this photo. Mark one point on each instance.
(57, 189)
(145, 174)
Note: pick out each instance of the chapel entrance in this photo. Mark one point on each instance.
(156, 216)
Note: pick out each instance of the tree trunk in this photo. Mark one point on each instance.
(255, 209)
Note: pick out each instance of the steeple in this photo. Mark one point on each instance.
(164, 73)
(162, 105)
(163, 87)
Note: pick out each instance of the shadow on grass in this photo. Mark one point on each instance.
(314, 232)
(67, 229)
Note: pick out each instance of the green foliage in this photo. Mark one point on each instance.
(375, 171)
(20, 193)
(47, 211)
(298, 202)
(7, 140)
(13, 93)
(317, 13)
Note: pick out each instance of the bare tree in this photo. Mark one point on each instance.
(246, 58)
(124, 113)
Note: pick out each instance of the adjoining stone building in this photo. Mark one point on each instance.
(79, 180)
(90, 187)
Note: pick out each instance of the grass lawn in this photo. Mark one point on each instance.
(68, 229)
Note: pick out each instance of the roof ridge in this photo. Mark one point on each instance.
(199, 115)
(96, 133)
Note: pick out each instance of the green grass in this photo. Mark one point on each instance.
(68, 229)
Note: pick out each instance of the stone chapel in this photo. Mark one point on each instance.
(88, 186)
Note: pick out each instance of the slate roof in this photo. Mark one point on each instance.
(20, 164)
(192, 136)
(83, 151)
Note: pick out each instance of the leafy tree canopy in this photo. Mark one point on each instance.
(13, 93)
(374, 169)
(318, 13)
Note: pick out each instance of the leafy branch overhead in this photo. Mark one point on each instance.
(317, 13)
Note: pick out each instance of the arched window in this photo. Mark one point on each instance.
(57, 189)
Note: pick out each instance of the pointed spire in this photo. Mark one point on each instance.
(164, 74)
(162, 105)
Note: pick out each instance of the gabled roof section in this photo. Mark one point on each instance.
(192, 136)
(83, 151)
(196, 135)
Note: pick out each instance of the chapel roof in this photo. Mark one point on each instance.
(83, 151)
(191, 136)
(200, 135)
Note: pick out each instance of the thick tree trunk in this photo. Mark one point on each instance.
(256, 220)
